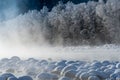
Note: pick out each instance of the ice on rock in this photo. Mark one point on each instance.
(98, 69)
(46, 76)
(109, 71)
(5, 76)
(25, 78)
(50, 67)
(83, 68)
(15, 58)
(54, 77)
(57, 70)
(112, 66)
(103, 68)
(43, 62)
(114, 76)
(78, 74)
(70, 62)
(118, 65)
(117, 71)
(86, 66)
(70, 74)
(64, 78)
(93, 73)
(61, 63)
(76, 64)
(12, 78)
(105, 63)
(31, 61)
(84, 76)
(93, 78)
(31, 73)
(69, 67)
(96, 64)
(102, 75)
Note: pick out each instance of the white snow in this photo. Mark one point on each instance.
(38, 69)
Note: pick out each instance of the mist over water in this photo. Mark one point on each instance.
(74, 30)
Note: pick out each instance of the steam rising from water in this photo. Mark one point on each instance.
(8, 9)
(36, 33)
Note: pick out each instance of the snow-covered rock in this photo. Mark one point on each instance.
(118, 65)
(12, 78)
(46, 76)
(61, 63)
(84, 76)
(58, 70)
(69, 67)
(70, 74)
(64, 78)
(25, 78)
(93, 78)
(6, 76)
